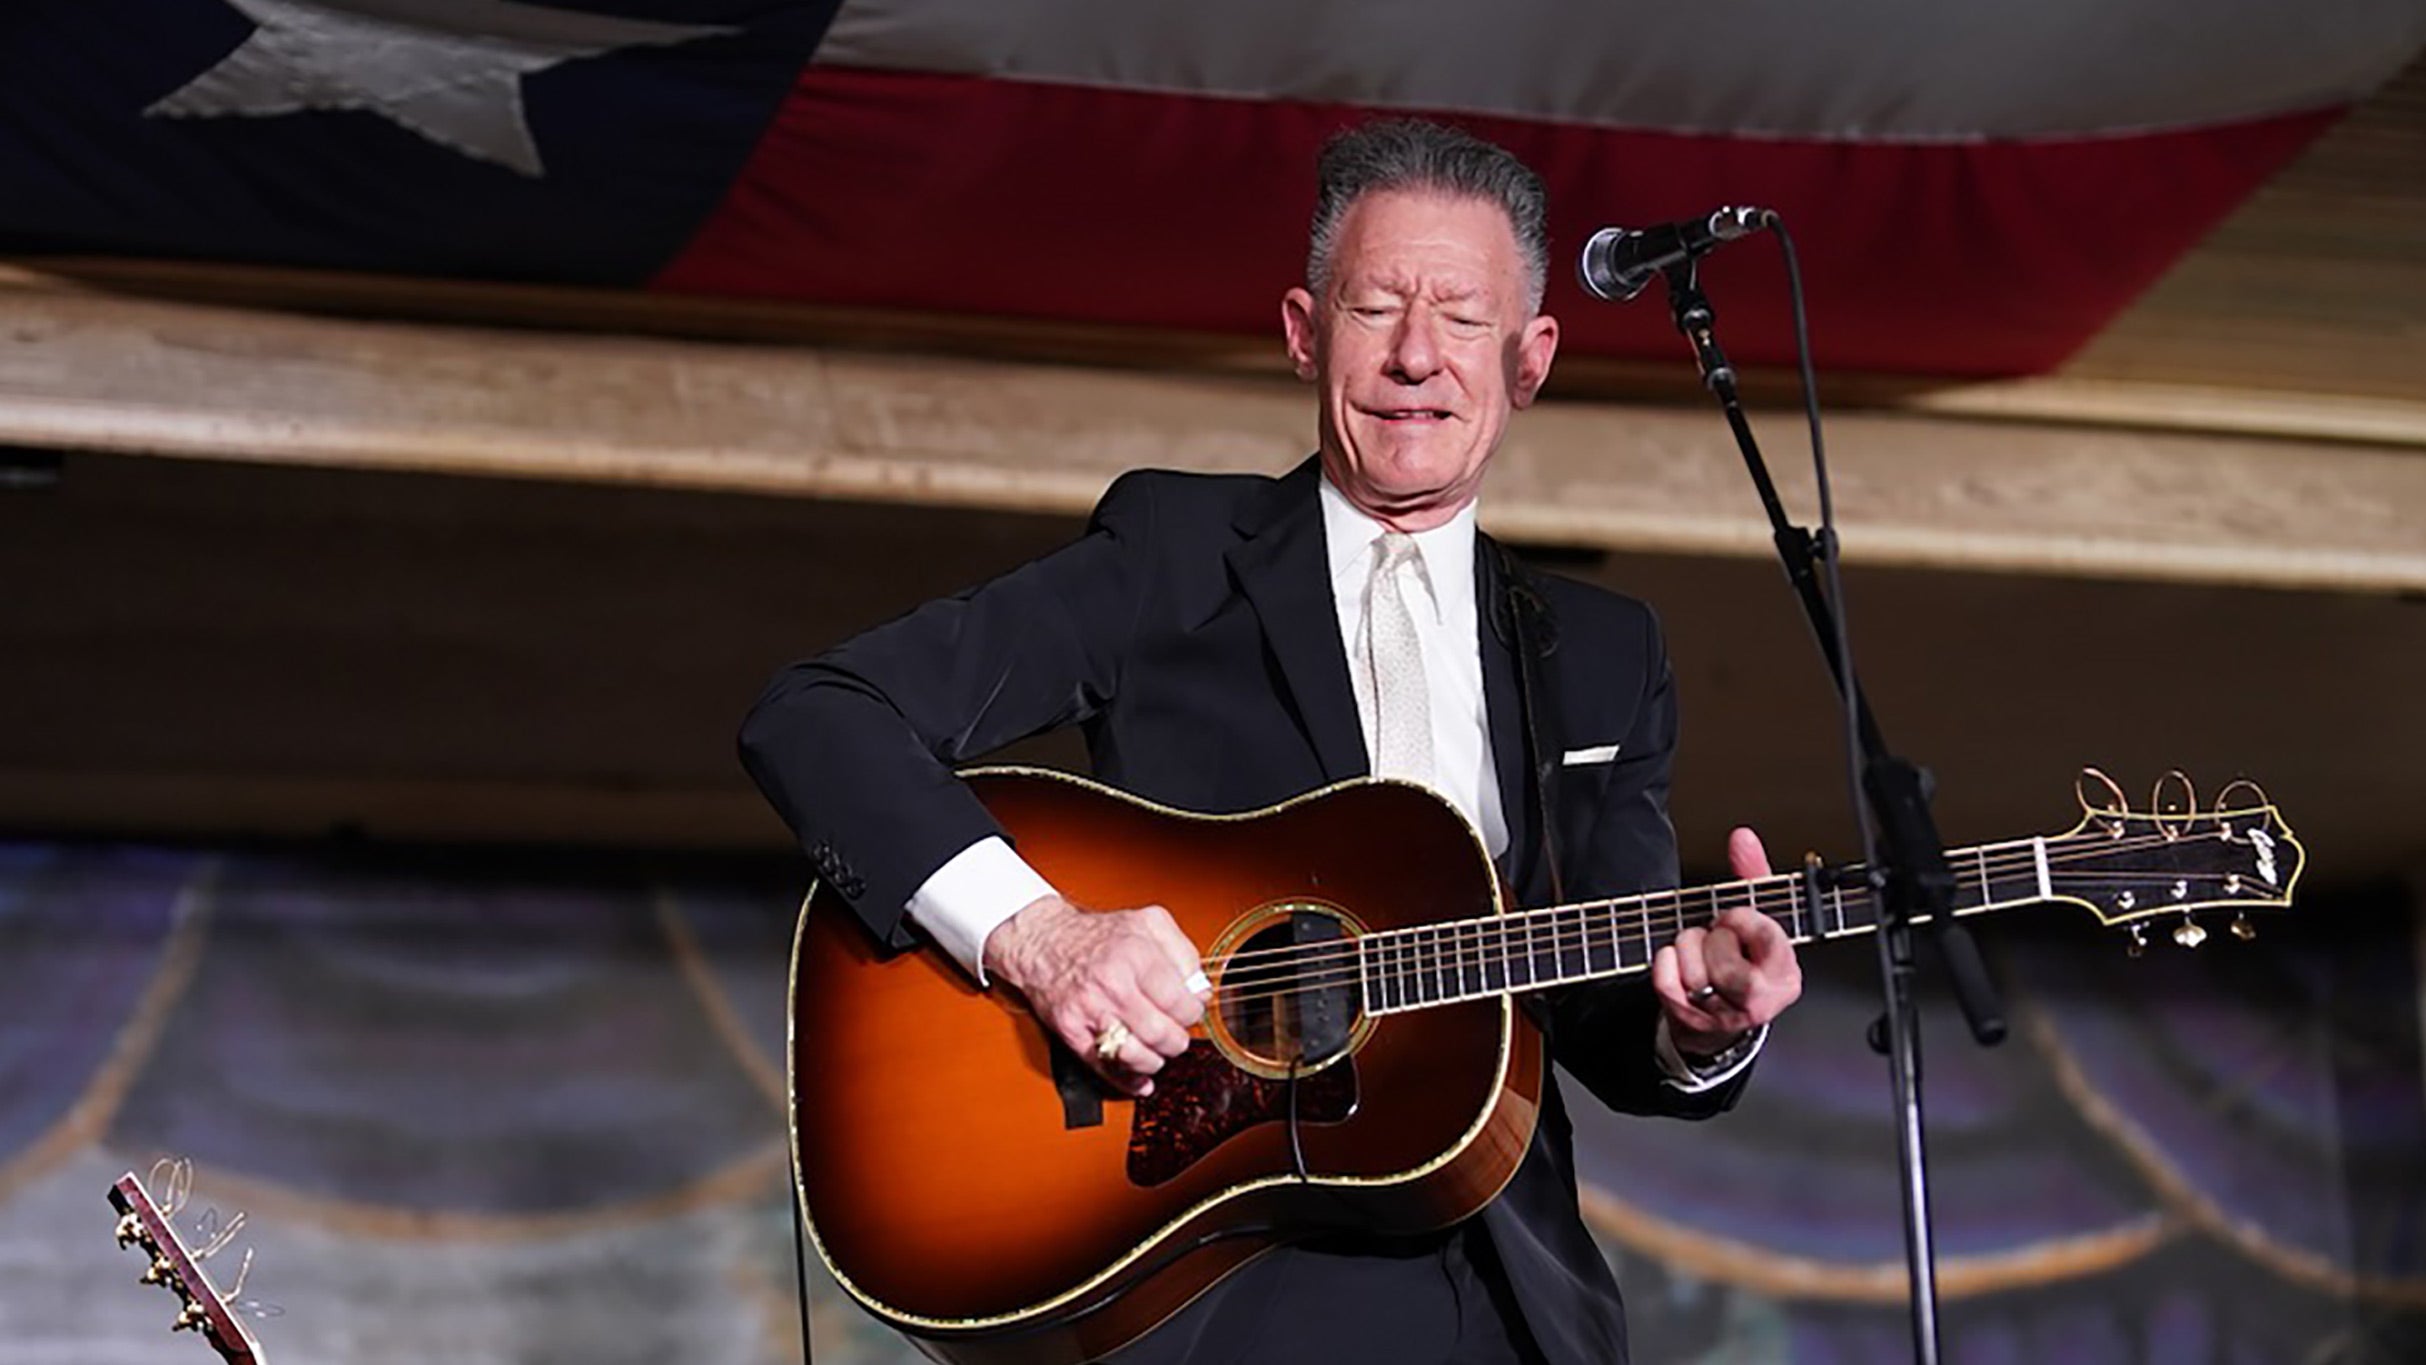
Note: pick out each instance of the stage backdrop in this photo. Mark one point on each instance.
(530, 1110)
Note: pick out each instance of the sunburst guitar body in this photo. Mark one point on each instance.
(971, 1196)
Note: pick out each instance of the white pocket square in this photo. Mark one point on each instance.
(1598, 753)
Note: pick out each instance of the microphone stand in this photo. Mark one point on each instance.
(1907, 872)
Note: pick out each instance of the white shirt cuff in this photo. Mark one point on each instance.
(1692, 1080)
(983, 885)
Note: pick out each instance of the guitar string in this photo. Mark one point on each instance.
(1563, 929)
(1981, 864)
(2012, 857)
(1443, 973)
(1479, 945)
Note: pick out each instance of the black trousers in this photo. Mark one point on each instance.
(1439, 1300)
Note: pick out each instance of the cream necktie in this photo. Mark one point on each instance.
(1402, 701)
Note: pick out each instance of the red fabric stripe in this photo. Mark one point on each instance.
(967, 195)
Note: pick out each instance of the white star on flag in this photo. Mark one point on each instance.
(450, 70)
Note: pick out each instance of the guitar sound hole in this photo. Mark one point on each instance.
(1288, 995)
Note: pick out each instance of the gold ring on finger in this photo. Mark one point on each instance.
(1109, 1040)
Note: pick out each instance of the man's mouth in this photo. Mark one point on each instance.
(1410, 414)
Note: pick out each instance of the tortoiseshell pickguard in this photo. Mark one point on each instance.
(1200, 1101)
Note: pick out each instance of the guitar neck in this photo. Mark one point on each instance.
(1440, 964)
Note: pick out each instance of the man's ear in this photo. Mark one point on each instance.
(1536, 345)
(1297, 324)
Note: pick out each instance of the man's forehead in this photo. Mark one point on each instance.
(1453, 242)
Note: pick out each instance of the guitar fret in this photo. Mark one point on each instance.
(1487, 956)
(1475, 978)
(1641, 941)
(1453, 962)
(1469, 964)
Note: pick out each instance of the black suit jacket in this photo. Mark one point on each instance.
(1192, 633)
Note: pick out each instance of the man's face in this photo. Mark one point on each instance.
(1421, 346)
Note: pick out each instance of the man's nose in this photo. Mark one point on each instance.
(1414, 352)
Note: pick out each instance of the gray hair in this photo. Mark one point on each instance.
(1412, 154)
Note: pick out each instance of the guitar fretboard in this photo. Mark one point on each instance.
(1439, 964)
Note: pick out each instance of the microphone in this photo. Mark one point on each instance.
(1619, 263)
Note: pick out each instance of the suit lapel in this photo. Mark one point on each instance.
(1283, 571)
(1502, 707)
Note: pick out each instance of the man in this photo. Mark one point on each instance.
(1228, 642)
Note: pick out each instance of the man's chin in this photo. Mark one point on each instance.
(1393, 499)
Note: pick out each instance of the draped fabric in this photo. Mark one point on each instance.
(528, 1110)
(1978, 187)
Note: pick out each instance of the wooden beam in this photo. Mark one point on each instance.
(2176, 373)
(91, 371)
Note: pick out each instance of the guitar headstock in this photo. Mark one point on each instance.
(207, 1309)
(2172, 860)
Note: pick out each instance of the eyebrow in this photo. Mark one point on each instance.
(1457, 292)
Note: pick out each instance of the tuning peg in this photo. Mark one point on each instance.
(160, 1271)
(191, 1318)
(130, 1230)
(2242, 929)
(2139, 939)
(2189, 933)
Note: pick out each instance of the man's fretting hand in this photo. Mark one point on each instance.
(1082, 970)
(1720, 983)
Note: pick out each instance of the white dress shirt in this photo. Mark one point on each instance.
(988, 882)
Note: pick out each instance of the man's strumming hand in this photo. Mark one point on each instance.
(1085, 971)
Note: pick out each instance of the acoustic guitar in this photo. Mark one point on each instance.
(1362, 1064)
